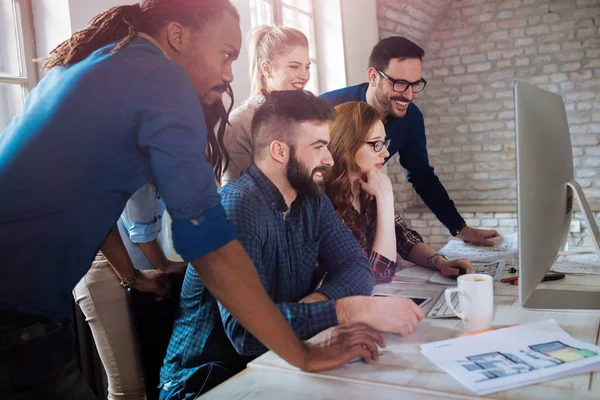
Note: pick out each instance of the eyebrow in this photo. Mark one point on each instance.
(232, 48)
(378, 137)
(320, 141)
(298, 62)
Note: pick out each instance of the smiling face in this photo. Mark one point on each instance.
(289, 71)
(366, 157)
(389, 101)
(309, 159)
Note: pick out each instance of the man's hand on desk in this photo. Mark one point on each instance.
(478, 237)
(399, 315)
(454, 268)
(339, 344)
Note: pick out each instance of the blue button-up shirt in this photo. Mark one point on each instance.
(284, 251)
(409, 141)
(87, 138)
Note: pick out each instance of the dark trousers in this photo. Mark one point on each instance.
(37, 360)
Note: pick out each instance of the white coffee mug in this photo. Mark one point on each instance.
(476, 300)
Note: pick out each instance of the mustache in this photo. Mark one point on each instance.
(322, 168)
(400, 98)
(220, 88)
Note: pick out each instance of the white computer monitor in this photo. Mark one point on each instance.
(546, 191)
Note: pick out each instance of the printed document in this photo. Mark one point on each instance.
(513, 357)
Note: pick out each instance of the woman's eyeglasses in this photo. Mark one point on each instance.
(378, 145)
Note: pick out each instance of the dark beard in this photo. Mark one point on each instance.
(386, 104)
(301, 179)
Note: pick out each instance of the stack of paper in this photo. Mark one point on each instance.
(513, 357)
(506, 249)
(582, 263)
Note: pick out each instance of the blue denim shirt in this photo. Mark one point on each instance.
(284, 251)
(88, 137)
(409, 141)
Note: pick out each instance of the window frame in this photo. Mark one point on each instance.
(29, 75)
(277, 7)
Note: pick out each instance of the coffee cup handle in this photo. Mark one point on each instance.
(447, 293)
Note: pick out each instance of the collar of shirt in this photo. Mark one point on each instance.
(154, 42)
(271, 193)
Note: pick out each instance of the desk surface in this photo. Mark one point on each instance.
(405, 373)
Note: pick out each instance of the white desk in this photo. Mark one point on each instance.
(404, 373)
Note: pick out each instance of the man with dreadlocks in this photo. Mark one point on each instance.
(120, 107)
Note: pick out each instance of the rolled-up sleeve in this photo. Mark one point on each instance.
(172, 130)
(140, 217)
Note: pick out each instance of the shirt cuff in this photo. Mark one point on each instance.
(322, 315)
(143, 233)
(384, 269)
(213, 231)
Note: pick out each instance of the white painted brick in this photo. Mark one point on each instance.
(507, 222)
(572, 66)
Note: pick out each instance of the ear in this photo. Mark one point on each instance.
(178, 37)
(265, 68)
(279, 151)
(373, 76)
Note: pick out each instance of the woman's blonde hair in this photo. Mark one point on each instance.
(266, 44)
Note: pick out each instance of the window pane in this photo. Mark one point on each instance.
(305, 5)
(261, 12)
(303, 23)
(11, 101)
(10, 59)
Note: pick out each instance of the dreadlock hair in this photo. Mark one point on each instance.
(217, 119)
(121, 24)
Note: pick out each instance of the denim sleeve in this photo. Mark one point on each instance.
(140, 216)
(342, 257)
(306, 319)
(414, 158)
(172, 131)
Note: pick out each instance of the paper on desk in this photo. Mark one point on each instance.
(493, 269)
(513, 357)
(413, 274)
(505, 249)
(577, 264)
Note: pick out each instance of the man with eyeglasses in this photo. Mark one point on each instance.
(394, 80)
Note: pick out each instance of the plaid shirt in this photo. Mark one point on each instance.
(406, 238)
(284, 251)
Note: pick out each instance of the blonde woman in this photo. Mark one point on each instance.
(279, 61)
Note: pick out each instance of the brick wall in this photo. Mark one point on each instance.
(474, 51)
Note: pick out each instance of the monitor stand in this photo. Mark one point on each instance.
(570, 300)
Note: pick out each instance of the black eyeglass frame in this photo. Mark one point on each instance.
(403, 82)
(380, 143)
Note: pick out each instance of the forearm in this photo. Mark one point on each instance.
(115, 252)
(230, 276)
(351, 309)
(420, 254)
(385, 234)
(155, 254)
(305, 319)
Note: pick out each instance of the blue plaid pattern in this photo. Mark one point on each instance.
(285, 251)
